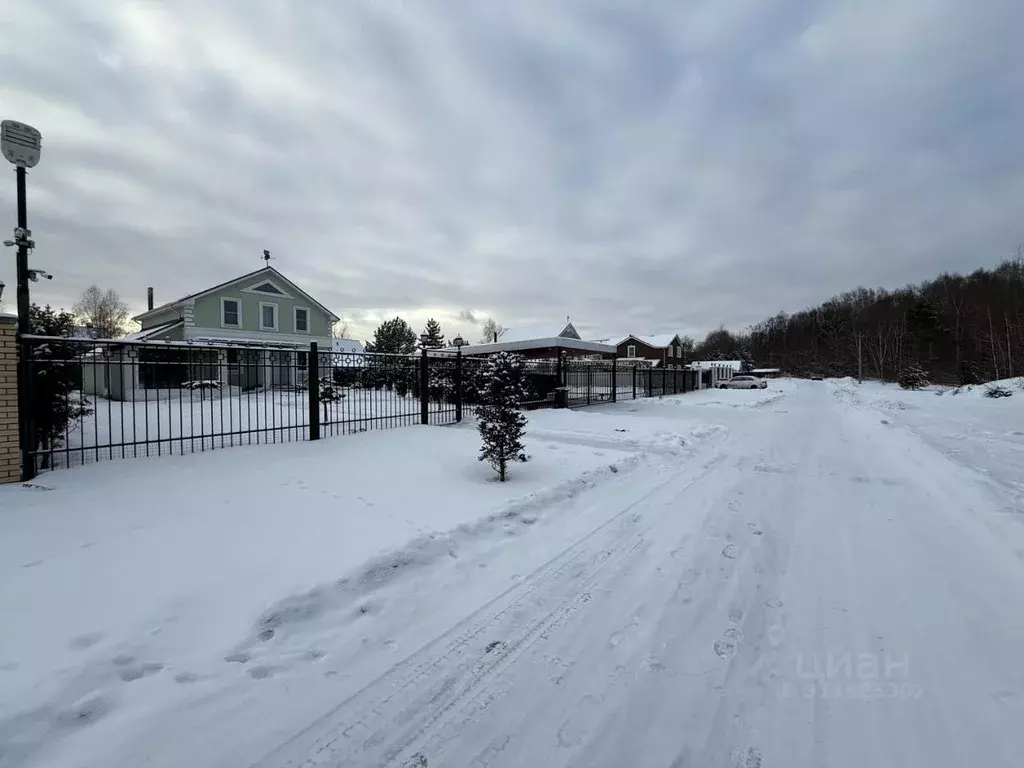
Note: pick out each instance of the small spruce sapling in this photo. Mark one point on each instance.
(912, 377)
(499, 419)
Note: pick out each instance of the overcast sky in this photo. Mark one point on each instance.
(642, 166)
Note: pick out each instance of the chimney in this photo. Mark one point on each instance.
(149, 297)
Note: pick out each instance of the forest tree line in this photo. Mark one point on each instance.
(958, 329)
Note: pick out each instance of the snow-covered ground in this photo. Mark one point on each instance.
(982, 433)
(796, 577)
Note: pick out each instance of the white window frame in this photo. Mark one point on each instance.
(277, 316)
(631, 350)
(238, 312)
(295, 319)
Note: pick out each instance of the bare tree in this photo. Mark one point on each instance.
(342, 329)
(489, 330)
(103, 311)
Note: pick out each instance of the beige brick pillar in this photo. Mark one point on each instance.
(10, 457)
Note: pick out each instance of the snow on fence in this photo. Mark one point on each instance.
(100, 400)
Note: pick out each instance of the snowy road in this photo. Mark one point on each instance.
(815, 589)
(812, 585)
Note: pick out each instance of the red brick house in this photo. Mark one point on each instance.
(664, 350)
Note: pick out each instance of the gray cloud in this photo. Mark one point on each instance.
(645, 167)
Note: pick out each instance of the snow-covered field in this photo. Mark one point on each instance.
(806, 576)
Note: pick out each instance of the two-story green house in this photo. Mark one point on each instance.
(263, 309)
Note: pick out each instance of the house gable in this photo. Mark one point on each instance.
(267, 285)
(653, 342)
(570, 332)
(268, 288)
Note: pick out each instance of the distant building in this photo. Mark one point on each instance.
(664, 350)
(541, 343)
(714, 371)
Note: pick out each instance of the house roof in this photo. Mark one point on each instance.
(267, 271)
(657, 340)
(560, 342)
(154, 331)
(346, 345)
(533, 332)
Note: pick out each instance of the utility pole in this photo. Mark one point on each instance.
(860, 358)
(21, 235)
(22, 144)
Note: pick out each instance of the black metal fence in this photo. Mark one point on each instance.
(98, 400)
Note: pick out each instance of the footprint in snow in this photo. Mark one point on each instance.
(130, 672)
(87, 640)
(261, 672)
(749, 758)
(729, 551)
(754, 529)
(728, 644)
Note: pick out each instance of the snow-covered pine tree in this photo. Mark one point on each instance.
(435, 338)
(913, 377)
(499, 419)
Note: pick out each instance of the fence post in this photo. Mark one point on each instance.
(424, 384)
(634, 381)
(664, 381)
(458, 384)
(615, 379)
(590, 382)
(11, 420)
(313, 389)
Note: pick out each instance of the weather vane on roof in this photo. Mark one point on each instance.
(266, 256)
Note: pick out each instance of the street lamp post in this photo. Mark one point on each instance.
(21, 144)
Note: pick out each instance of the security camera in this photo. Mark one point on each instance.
(35, 274)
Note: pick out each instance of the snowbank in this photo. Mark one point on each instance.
(982, 433)
(130, 582)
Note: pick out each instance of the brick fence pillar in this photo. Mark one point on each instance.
(10, 456)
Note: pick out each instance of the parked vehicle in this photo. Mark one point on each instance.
(744, 382)
(817, 377)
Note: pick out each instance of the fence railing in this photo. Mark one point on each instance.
(91, 400)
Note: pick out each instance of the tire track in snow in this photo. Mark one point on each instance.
(387, 719)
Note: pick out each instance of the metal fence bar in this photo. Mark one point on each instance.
(313, 385)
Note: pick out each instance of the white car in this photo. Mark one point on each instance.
(744, 382)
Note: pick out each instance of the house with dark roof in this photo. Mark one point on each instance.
(664, 350)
